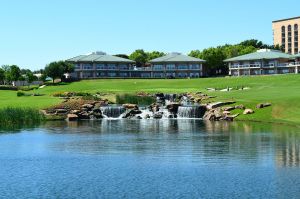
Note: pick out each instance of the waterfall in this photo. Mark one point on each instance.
(191, 111)
(112, 111)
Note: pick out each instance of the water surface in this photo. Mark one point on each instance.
(150, 159)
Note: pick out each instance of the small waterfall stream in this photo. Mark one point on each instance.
(190, 112)
(112, 111)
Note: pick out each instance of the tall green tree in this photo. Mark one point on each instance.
(154, 55)
(12, 73)
(2, 76)
(139, 56)
(54, 70)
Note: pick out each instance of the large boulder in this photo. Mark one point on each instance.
(87, 106)
(130, 113)
(248, 111)
(61, 111)
(173, 107)
(218, 104)
(263, 105)
(228, 108)
(72, 117)
(241, 106)
(130, 106)
(158, 115)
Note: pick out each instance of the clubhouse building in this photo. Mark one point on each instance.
(264, 62)
(101, 65)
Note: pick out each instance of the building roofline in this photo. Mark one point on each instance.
(280, 20)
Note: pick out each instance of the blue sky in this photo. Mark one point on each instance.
(34, 32)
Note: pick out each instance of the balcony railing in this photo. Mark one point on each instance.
(248, 66)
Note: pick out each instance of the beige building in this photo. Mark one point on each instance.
(286, 34)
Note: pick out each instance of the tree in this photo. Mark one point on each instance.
(122, 56)
(154, 55)
(67, 67)
(2, 76)
(54, 70)
(12, 73)
(30, 77)
(139, 56)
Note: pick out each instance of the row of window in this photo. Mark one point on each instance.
(143, 75)
(179, 67)
(289, 38)
(126, 67)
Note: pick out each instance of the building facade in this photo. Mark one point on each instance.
(286, 34)
(101, 65)
(176, 65)
(263, 62)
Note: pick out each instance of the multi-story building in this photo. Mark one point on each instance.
(286, 34)
(101, 65)
(176, 65)
(263, 62)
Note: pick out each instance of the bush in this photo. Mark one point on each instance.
(19, 116)
(8, 88)
(20, 94)
(133, 99)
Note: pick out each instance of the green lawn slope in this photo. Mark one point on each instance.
(283, 91)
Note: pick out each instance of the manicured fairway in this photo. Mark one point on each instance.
(283, 91)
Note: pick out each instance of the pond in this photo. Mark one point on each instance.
(150, 159)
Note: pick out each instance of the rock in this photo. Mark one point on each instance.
(130, 106)
(173, 107)
(61, 110)
(228, 108)
(97, 110)
(230, 117)
(83, 115)
(87, 106)
(263, 105)
(218, 104)
(248, 111)
(226, 112)
(131, 113)
(154, 107)
(72, 117)
(209, 115)
(241, 106)
(75, 111)
(147, 116)
(158, 115)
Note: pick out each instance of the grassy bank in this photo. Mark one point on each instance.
(283, 91)
(13, 116)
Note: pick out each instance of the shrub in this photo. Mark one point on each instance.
(19, 116)
(133, 99)
(20, 94)
(8, 88)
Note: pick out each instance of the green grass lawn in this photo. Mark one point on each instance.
(283, 91)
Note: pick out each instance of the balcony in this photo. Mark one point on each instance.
(245, 66)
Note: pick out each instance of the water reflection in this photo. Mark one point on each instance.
(208, 142)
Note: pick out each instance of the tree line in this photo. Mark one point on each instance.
(214, 56)
(214, 64)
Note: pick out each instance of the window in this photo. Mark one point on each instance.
(283, 37)
(296, 38)
(194, 66)
(158, 67)
(111, 66)
(123, 74)
(170, 67)
(182, 75)
(183, 67)
(123, 67)
(77, 67)
(146, 75)
(111, 74)
(100, 66)
(87, 66)
(158, 75)
(289, 39)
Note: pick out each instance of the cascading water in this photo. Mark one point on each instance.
(112, 111)
(190, 111)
